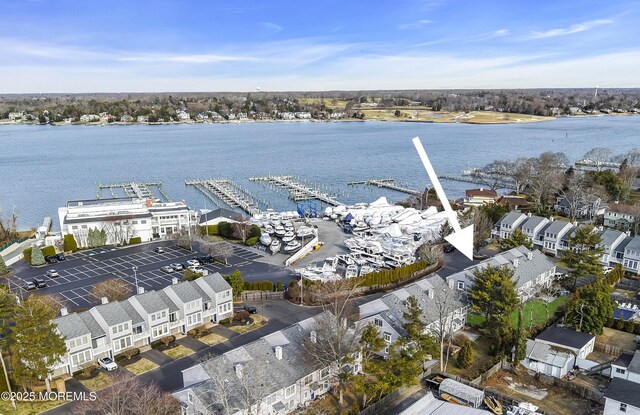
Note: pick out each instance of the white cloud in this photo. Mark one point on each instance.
(194, 58)
(501, 32)
(271, 28)
(576, 28)
(415, 25)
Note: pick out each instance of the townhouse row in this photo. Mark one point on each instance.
(113, 327)
(275, 374)
(551, 237)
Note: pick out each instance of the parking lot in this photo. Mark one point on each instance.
(82, 270)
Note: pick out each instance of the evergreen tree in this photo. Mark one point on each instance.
(520, 340)
(465, 355)
(37, 258)
(445, 230)
(370, 342)
(237, 283)
(36, 344)
(583, 258)
(8, 306)
(416, 342)
(615, 275)
(517, 238)
(370, 386)
(589, 308)
(3, 267)
(70, 243)
(493, 293)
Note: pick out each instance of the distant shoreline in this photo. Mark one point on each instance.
(476, 118)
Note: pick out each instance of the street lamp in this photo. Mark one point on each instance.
(135, 276)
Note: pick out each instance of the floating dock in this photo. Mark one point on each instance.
(133, 189)
(297, 190)
(387, 184)
(501, 183)
(229, 193)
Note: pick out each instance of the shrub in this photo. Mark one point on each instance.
(129, 353)
(36, 256)
(618, 324)
(459, 339)
(209, 230)
(87, 368)
(3, 267)
(167, 340)
(252, 241)
(135, 240)
(225, 229)
(70, 243)
(629, 325)
(225, 321)
(26, 253)
(48, 251)
(190, 275)
(465, 356)
(279, 286)
(255, 232)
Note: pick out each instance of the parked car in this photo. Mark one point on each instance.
(158, 250)
(193, 263)
(60, 257)
(449, 248)
(177, 266)
(250, 309)
(30, 285)
(196, 268)
(107, 364)
(167, 269)
(37, 282)
(52, 273)
(51, 259)
(204, 259)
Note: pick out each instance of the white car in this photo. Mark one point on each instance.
(107, 364)
(193, 263)
(52, 273)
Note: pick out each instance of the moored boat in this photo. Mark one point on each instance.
(292, 246)
(275, 246)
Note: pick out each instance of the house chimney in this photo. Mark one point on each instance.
(430, 294)
(551, 218)
(516, 262)
(278, 351)
(64, 311)
(481, 189)
(313, 336)
(140, 290)
(529, 214)
(239, 370)
(529, 255)
(174, 281)
(104, 300)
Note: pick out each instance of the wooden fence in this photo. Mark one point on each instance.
(582, 390)
(610, 349)
(262, 295)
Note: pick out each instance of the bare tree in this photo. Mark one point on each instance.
(546, 177)
(481, 222)
(53, 301)
(447, 304)
(598, 155)
(183, 239)
(430, 253)
(129, 396)
(575, 193)
(114, 289)
(119, 230)
(218, 249)
(241, 230)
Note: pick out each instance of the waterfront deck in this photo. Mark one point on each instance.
(229, 192)
(387, 184)
(133, 189)
(297, 190)
(500, 183)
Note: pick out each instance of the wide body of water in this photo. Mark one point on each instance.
(41, 167)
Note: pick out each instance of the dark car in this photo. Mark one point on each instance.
(36, 283)
(250, 309)
(60, 257)
(204, 259)
(51, 259)
(449, 248)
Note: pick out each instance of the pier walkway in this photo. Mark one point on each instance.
(387, 184)
(229, 193)
(133, 189)
(297, 190)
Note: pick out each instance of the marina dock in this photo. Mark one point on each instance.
(229, 193)
(501, 183)
(133, 189)
(387, 184)
(297, 190)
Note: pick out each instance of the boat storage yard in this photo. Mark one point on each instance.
(375, 236)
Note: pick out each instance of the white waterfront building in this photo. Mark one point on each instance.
(124, 218)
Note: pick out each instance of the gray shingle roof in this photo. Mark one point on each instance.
(511, 217)
(609, 236)
(216, 282)
(544, 229)
(634, 244)
(165, 298)
(532, 222)
(184, 291)
(92, 324)
(634, 365)
(136, 318)
(565, 337)
(556, 226)
(152, 302)
(71, 326)
(113, 313)
(622, 245)
(624, 391)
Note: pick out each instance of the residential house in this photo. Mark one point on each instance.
(627, 366)
(620, 216)
(582, 209)
(508, 223)
(622, 397)
(557, 350)
(113, 327)
(213, 217)
(532, 271)
(278, 370)
(610, 240)
(553, 235)
(514, 202)
(479, 197)
(631, 257)
(430, 405)
(432, 294)
(532, 227)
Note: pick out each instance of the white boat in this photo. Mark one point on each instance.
(279, 231)
(292, 246)
(351, 271)
(304, 231)
(265, 239)
(268, 229)
(288, 226)
(288, 236)
(275, 246)
(365, 269)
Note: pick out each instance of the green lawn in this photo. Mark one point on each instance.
(534, 312)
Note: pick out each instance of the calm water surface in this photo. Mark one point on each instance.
(41, 167)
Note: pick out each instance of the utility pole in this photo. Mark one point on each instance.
(6, 377)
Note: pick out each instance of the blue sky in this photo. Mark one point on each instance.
(172, 45)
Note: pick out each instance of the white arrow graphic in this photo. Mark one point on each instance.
(462, 239)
